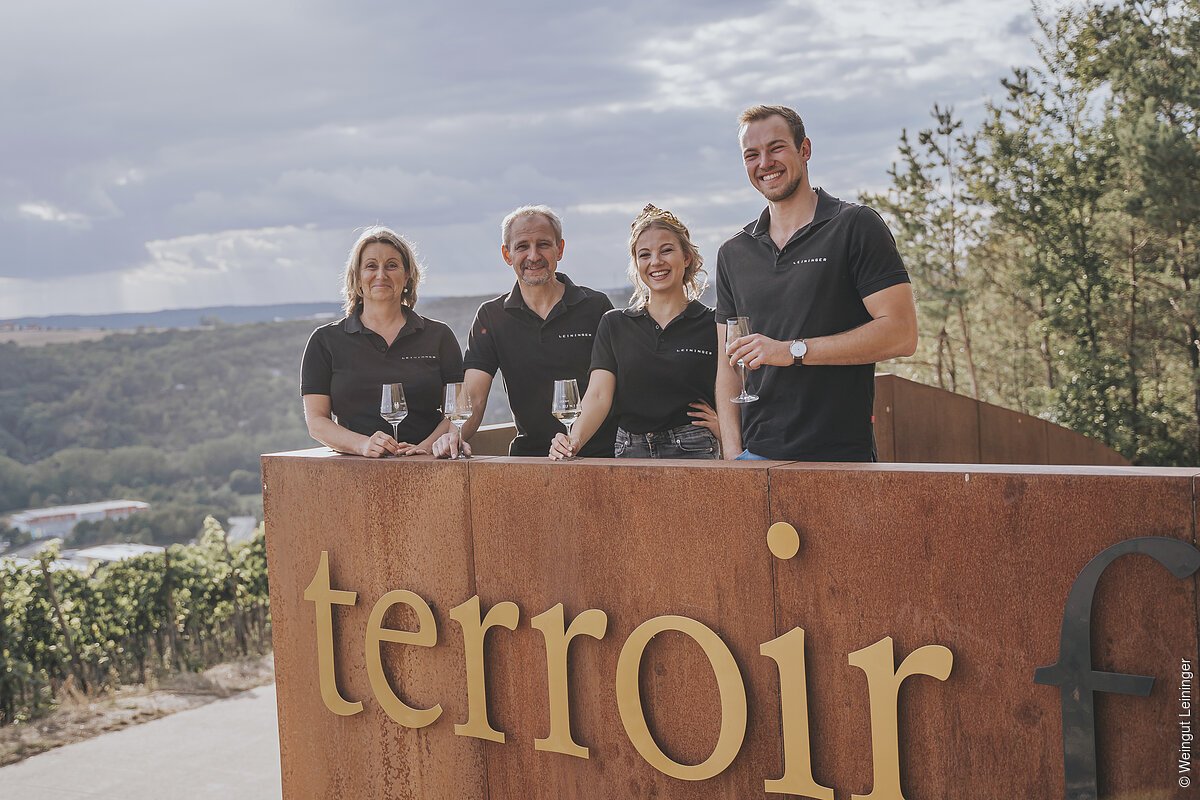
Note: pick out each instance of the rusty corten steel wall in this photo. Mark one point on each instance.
(394, 524)
(978, 559)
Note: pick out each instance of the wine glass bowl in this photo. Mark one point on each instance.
(736, 328)
(565, 406)
(457, 408)
(393, 407)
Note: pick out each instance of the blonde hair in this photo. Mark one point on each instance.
(352, 287)
(695, 279)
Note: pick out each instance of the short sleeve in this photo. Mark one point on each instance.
(603, 355)
(481, 345)
(725, 305)
(449, 357)
(874, 261)
(316, 366)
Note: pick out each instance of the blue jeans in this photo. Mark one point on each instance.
(686, 441)
(746, 455)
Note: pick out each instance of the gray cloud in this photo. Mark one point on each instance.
(163, 153)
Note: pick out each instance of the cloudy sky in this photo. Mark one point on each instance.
(182, 154)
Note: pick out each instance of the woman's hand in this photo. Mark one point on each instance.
(561, 447)
(705, 416)
(406, 449)
(379, 444)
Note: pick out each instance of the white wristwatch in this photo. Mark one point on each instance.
(798, 347)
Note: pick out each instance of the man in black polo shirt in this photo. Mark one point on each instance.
(538, 333)
(827, 296)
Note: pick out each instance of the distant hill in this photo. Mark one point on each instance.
(448, 309)
(181, 317)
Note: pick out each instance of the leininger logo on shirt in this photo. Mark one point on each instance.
(575, 336)
(810, 260)
(413, 358)
(694, 350)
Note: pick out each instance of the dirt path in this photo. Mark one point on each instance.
(79, 718)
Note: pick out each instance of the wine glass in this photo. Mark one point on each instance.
(393, 407)
(735, 328)
(457, 408)
(565, 407)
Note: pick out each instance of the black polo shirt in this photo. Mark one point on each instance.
(351, 363)
(533, 353)
(660, 371)
(813, 287)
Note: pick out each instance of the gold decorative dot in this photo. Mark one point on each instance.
(783, 540)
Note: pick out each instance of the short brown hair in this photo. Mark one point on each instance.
(756, 113)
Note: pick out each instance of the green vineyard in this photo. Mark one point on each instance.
(183, 610)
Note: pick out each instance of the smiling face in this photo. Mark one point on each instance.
(662, 264)
(775, 165)
(533, 251)
(381, 273)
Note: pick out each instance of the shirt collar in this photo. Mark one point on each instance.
(691, 310)
(827, 208)
(572, 294)
(412, 321)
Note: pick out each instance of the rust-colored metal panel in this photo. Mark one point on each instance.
(885, 415)
(636, 540)
(386, 524)
(1007, 437)
(1065, 446)
(981, 560)
(932, 425)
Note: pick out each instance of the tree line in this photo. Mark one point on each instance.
(1053, 248)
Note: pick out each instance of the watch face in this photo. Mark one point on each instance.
(798, 349)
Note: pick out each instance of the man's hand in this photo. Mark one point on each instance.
(448, 445)
(756, 350)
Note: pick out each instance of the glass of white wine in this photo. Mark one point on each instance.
(393, 407)
(736, 328)
(457, 408)
(565, 407)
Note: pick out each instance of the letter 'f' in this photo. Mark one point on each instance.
(1073, 672)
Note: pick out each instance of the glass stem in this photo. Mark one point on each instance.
(396, 431)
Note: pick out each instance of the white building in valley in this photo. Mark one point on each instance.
(42, 523)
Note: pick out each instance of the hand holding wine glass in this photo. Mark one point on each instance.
(736, 328)
(565, 406)
(457, 408)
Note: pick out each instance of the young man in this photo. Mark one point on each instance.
(827, 297)
(538, 333)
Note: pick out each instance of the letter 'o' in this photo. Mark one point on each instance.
(729, 683)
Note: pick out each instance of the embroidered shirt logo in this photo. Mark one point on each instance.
(575, 336)
(694, 350)
(414, 358)
(819, 259)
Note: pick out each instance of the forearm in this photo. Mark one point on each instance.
(334, 436)
(728, 413)
(878, 340)
(593, 411)
(479, 385)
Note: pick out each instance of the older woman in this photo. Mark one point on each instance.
(654, 364)
(380, 340)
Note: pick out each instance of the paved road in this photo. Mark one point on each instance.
(226, 750)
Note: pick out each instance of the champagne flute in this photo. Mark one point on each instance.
(735, 328)
(457, 408)
(565, 407)
(393, 407)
